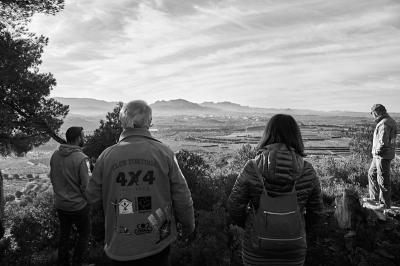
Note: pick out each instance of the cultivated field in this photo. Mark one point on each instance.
(214, 136)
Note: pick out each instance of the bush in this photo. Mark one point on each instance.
(216, 243)
(395, 177)
(205, 188)
(361, 140)
(9, 197)
(18, 194)
(351, 170)
(245, 153)
(33, 227)
(106, 135)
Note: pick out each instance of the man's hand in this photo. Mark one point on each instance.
(185, 234)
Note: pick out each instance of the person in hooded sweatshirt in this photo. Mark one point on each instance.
(383, 152)
(69, 176)
(278, 168)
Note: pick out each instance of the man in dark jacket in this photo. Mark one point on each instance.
(383, 151)
(69, 176)
(142, 191)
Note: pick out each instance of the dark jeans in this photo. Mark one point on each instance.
(82, 222)
(159, 259)
(379, 181)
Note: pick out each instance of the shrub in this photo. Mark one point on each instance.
(18, 194)
(361, 140)
(205, 188)
(106, 135)
(216, 243)
(245, 153)
(395, 177)
(9, 197)
(351, 170)
(34, 227)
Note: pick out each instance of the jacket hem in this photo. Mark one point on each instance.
(139, 256)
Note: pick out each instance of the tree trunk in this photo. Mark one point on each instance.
(1, 206)
(348, 211)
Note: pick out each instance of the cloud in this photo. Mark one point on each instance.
(325, 54)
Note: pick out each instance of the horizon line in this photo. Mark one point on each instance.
(276, 108)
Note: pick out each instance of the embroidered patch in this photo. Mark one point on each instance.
(153, 220)
(144, 228)
(164, 231)
(144, 204)
(161, 215)
(125, 206)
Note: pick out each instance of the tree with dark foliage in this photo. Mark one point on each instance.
(29, 117)
(106, 135)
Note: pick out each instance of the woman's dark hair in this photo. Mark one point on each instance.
(283, 129)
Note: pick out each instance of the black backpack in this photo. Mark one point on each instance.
(278, 221)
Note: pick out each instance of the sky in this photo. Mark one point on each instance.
(307, 54)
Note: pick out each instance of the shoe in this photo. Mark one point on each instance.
(370, 201)
(350, 234)
(390, 213)
(382, 207)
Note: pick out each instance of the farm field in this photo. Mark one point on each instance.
(212, 136)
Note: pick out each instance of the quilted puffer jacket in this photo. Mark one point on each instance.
(279, 167)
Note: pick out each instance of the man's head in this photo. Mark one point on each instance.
(135, 114)
(75, 136)
(378, 110)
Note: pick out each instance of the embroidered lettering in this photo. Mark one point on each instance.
(144, 228)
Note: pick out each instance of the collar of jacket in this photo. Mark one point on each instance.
(379, 118)
(274, 146)
(140, 132)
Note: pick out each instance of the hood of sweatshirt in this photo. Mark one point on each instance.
(66, 149)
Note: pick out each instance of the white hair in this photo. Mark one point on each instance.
(135, 114)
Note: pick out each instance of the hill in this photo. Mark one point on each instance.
(227, 106)
(179, 105)
(87, 106)
(98, 108)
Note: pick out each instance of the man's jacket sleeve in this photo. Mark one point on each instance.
(240, 197)
(93, 190)
(84, 174)
(181, 197)
(383, 138)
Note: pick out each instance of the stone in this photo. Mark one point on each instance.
(384, 253)
(348, 211)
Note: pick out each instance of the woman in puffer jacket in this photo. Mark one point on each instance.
(278, 169)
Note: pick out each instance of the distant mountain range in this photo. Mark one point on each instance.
(93, 107)
(87, 111)
(87, 106)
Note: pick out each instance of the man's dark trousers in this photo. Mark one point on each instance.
(159, 259)
(379, 181)
(82, 222)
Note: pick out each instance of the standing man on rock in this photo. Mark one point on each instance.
(69, 175)
(383, 151)
(142, 191)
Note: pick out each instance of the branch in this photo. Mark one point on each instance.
(36, 120)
